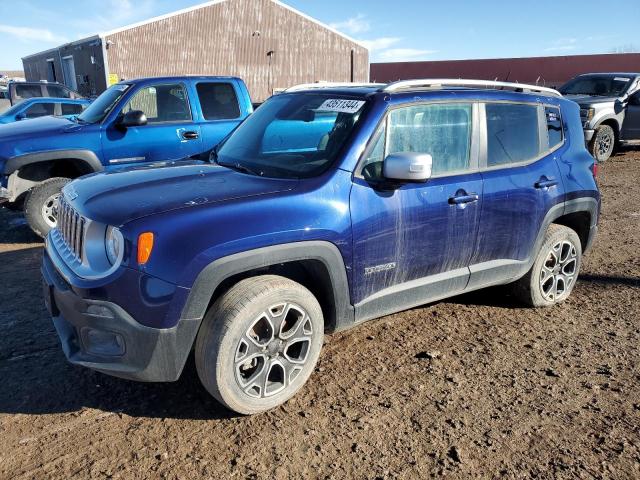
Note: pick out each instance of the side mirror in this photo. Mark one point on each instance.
(134, 118)
(407, 167)
(21, 116)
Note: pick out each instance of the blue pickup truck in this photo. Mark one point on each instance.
(132, 123)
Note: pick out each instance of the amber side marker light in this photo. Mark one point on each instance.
(145, 246)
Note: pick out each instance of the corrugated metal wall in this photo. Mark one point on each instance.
(550, 71)
(90, 74)
(234, 38)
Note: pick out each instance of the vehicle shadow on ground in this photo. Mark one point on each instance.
(37, 379)
(14, 228)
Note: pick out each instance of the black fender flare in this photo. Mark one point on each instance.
(86, 157)
(588, 205)
(323, 252)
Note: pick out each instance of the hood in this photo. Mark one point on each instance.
(116, 198)
(38, 127)
(590, 100)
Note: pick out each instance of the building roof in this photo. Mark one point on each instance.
(216, 2)
(191, 9)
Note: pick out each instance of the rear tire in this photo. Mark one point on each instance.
(41, 205)
(259, 343)
(603, 143)
(555, 270)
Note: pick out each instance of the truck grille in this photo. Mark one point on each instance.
(71, 226)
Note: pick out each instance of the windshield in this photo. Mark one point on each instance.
(597, 86)
(102, 105)
(292, 136)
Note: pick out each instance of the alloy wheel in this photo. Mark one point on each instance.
(273, 350)
(559, 271)
(605, 145)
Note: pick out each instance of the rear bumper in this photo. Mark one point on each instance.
(102, 336)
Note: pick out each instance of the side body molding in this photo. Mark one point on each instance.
(325, 254)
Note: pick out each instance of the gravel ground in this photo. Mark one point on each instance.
(473, 386)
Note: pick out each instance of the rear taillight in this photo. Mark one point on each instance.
(594, 169)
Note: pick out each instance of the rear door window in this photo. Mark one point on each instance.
(71, 109)
(161, 103)
(28, 91)
(40, 110)
(218, 100)
(513, 134)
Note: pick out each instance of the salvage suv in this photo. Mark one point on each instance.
(609, 109)
(329, 206)
(133, 122)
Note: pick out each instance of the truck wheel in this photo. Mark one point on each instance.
(603, 143)
(555, 270)
(40, 207)
(259, 343)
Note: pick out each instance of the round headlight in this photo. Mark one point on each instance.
(113, 244)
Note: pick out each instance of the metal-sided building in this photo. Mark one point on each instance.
(265, 42)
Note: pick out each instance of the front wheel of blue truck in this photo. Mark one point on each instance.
(259, 343)
(41, 205)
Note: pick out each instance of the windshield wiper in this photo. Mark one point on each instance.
(241, 168)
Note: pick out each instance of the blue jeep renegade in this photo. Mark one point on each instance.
(329, 206)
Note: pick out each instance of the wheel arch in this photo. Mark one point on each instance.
(80, 161)
(25, 171)
(580, 215)
(613, 123)
(317, 265)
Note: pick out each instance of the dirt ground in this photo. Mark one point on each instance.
(475, 386)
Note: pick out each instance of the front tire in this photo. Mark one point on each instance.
(259, 343)
(603, 143)
(40, 207)
(555, 270)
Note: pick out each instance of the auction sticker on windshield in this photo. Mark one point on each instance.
(340, 105)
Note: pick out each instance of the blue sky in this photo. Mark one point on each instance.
(406, 30)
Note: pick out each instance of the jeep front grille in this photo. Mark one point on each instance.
(72, 228)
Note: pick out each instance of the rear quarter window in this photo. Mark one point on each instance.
(554, 126)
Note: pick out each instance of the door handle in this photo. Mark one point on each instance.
(544, 184)
(463, 199)
(190, 135)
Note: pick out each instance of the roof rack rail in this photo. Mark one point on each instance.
(310, 86)
(453, 82)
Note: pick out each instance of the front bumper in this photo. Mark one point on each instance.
(588, 135)
(102, 336)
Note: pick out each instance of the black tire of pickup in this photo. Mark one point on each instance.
(232, 368)
(39, 206)
(560, 266)
(603, 143)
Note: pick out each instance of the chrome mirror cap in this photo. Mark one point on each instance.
(408, 167)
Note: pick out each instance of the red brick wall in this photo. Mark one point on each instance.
(549, 71)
